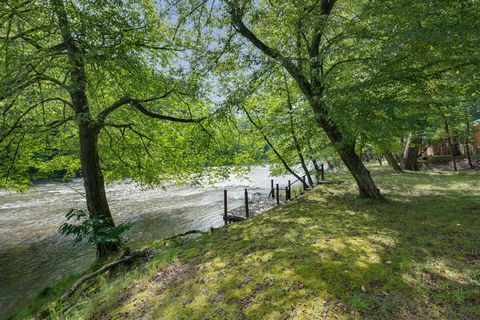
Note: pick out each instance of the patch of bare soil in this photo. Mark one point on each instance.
(462, 165)
(138, 295)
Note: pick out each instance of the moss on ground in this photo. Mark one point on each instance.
(326, 255)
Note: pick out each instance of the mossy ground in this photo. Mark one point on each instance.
(326, 255)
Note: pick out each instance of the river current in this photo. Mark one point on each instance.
(33, 255)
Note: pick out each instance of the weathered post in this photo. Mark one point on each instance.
(247, 214)
(304, 184)
(286, 194)
(225, 217)
(278, 196)
(322, 170)
(289, 190)
(273, 190)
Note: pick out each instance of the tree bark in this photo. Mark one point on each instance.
(449, 140)
(88, 130)
(312, 87)
(346, 150)
(410, 156)
(467, 146)
(97, 203)
(392, 162)
(366, 186)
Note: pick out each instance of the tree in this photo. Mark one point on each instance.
(308, 69)
(77, 71)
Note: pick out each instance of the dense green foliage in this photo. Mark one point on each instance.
(387, 68)
(129, 49)
(162, 91)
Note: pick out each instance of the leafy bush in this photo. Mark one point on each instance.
(93, 230)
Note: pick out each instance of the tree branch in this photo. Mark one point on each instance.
(296, 73)
(127, 100)
(336, 64)
(326, 7)
(140, 107)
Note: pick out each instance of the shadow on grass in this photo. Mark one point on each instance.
(331, 255)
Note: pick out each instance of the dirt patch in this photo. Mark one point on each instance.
(462, 165)
(171, 274)
(135, 301)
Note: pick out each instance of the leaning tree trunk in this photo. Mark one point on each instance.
(318, 172)
(313, 89)
(304, 165)
(393, 162)
(97, 203)
(366, 186)
(294, 136)
(299, 152)
(410, 156)
(346, 151)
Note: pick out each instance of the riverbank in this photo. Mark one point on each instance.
(33, 255)
(327, 254)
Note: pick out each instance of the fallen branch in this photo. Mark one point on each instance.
(182, 235)
(79, 282)
(44, 313)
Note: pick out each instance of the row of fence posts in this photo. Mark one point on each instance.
(275, 192)
(225, 207)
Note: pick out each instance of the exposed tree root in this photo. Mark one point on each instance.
(126, 258)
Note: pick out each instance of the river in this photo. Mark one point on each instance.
(33, 255)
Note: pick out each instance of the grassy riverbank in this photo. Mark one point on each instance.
(327, 255)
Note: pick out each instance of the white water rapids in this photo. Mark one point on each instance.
(33, 255)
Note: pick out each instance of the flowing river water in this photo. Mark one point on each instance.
(33, 255)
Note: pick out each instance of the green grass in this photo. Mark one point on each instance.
(326, 255)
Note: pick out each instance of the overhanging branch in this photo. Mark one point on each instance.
(128, 100)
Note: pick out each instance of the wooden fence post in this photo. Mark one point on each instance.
(278, 196)
(273, 190)
(225, 217)
(304, 184)
(286, 194)
(247, 214)
(289, 190)
(323, 171)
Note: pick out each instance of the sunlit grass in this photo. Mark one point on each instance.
(326, 255)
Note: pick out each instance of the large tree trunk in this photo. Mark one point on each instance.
(346, 150)
(410, 156)
(392, 162)
(88, 130)
(94, 184)
(366, 186)
(313, 90)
